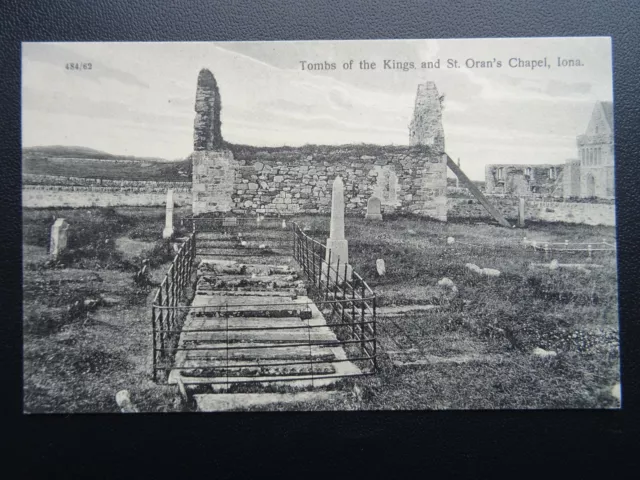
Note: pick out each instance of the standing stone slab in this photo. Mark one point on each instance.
(381, 267)
(337, 245)
(373, 209)
(168, 221)
(59, 237)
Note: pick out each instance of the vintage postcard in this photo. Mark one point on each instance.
(319, 225)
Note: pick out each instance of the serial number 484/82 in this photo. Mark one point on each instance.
(78, 66)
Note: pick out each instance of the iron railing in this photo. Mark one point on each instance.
(216, 345)
(341, 291)
(166, 315)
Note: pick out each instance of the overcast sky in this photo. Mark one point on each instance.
(138, 98)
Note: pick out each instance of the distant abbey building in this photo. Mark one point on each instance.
(591, 175)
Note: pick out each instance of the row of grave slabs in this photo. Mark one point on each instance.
(252, 336)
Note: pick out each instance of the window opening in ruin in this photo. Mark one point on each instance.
(500, 173)
(552, 173)
(527, 171)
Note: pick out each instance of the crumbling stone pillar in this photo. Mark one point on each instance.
(214, 168)
(426, 125)
(206, 129)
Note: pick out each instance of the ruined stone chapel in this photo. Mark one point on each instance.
(249, 180)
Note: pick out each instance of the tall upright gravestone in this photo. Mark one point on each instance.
(337, 246)
(168, 221)
(213, 166)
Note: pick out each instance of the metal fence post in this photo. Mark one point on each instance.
(153, 354)
(362, 319)
(375, 336)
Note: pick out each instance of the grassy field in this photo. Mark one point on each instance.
(86, 325)
(473, 352)
(493, 324)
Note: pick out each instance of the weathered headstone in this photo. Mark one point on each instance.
(373, 209)
(337, 245)
(168, 221)
(59, 237)
(521, 212)
(380, 267)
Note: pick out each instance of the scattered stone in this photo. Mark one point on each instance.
(59, 237)
(616, 391)
(450, 240)
(380, 267)
(491, 272)
(90, 303)
(446, 282)
(262, 246)
(284, 224)
(373, 209)
(123, 399)
(357, 392)
(109, 301)
(554, 264)
(540, 352)
(473, 267)
(411, 232)
(243, 243)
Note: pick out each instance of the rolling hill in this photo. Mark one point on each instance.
(72, 161)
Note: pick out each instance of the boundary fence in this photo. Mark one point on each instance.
(548, 247)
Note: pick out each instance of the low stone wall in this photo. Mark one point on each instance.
(570, 212)
(52, 180)
(81, 197)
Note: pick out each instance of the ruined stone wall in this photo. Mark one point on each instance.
(523, 180)
(214, 181)
(288, 181)
(571, 179)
